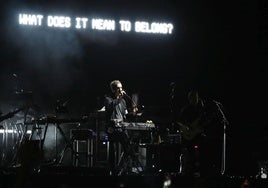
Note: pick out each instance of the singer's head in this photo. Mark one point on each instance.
(116, 87)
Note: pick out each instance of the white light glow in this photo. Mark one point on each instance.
(167, 183)
(103, 24)
(154, 27)
(59, 21)
(125, 25)
(7, 131)
(263, 176)
(4, 131)
(30, 19)
(81, 23)
(86, 23)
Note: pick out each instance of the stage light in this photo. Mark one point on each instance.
(2, 131)
(7, 131)
(263, 166)
(263, 174)
(167, 182)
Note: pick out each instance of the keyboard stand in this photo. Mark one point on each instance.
(129, 162)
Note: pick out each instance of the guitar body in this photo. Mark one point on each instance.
(195, 128)
(189, 132)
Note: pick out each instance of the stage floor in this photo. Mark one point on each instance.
(76, 177)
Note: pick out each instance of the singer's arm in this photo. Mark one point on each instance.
(110, 102)
(134, 107)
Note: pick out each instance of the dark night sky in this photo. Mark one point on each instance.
(217, 47)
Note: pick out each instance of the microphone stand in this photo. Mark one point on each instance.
(225, 123)
(172, 107)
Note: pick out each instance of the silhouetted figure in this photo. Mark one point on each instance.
(201, 134)
(118, 106)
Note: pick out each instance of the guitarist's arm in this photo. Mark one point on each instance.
(182, 125)
(190, 130)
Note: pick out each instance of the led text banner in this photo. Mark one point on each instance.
(84, 23)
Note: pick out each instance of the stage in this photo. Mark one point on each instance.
(58, 59)
(71, 177)
(29, 165)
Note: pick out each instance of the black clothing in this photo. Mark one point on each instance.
(116, 108)
(116, 111)
(201, 139)
(190, 113)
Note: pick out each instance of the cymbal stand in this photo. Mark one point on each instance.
(14, 160)
(68, 144)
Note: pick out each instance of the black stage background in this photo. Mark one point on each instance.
(216, 47)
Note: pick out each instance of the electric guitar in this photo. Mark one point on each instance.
(190, 131)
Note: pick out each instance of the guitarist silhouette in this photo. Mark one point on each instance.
(192, 118)
(195, 120)
(191, 122)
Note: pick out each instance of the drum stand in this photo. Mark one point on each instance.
(68, 144)
(35, 129)
(14, 161)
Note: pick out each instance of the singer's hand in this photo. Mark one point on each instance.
(123, 93)
(135, 110)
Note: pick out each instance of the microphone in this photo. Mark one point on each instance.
(123, 93)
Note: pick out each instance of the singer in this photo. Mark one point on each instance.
(117, 106)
